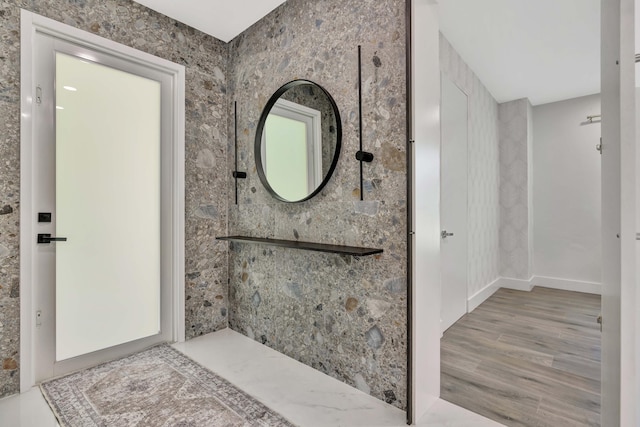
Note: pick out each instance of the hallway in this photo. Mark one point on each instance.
(526, 359)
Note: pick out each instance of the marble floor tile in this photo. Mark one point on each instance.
(26, 410)
(445, 414)
(303, 395)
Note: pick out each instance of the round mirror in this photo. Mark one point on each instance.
(298, 141)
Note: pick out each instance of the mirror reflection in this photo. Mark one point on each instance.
(298, 141)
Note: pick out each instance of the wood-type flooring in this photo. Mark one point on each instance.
(526, 359)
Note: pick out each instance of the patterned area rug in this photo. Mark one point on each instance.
(158, 387)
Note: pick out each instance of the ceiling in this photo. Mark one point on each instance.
(544, 50)
(222, 19)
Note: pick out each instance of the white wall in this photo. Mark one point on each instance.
(566, 191)
(484, 172)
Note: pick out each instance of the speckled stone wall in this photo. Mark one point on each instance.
(205, 59)
(344, 316)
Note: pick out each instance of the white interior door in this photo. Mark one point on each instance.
(102, 133)
(453, 199)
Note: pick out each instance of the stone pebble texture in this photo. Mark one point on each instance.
(344, 316)
(205, 60)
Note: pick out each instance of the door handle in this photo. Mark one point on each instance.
(444, 234)
(46, 238)
(599, 320)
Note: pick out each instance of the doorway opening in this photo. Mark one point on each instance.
(529, 350)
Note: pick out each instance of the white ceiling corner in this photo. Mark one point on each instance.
(223, 19)
(544, 50)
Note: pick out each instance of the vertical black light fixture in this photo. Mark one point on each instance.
(236, 174)
(361, 156)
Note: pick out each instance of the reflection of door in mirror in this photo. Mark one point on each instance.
(292, 149)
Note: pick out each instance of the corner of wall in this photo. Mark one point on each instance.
(482, 295)
(530, 182)
(516, 232)
(307, 305)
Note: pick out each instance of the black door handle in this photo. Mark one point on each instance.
(46, 238)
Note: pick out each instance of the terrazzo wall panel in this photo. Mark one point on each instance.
(342, 315)
(484, 171)
(516, 228)
(205, 59)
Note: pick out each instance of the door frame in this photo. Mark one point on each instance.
(423, 207)
(31, 24)
(621, 318)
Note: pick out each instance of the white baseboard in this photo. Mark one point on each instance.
(567, 285)
(479, 297)
(517, 284)
(527, 285)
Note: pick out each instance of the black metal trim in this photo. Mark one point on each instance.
(410, 232)
(236, 175)
(46, 238)
(360, 118)
(258, 141)
(307, 246)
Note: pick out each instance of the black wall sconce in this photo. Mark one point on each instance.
(236, 175)
(361, 156)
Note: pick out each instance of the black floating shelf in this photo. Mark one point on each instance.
(306, 246)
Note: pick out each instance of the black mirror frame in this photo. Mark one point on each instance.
(258, 140)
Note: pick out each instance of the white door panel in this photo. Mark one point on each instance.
(453, 199)
(107, 191)
(98, 137)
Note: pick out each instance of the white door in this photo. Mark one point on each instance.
(102, 202)
(453, 202)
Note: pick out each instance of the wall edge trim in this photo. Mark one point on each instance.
(482, 295)
(549, 282)
(567, 284)
(516, 284)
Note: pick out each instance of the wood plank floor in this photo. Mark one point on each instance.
(526, 359)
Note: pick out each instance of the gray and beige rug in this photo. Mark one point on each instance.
(158, 387)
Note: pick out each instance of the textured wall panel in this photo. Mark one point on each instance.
(484, 171)
(516, 239)
(342, 315)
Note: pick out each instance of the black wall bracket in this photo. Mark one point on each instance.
(236, 175)
(364, 156)
(239, 175)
